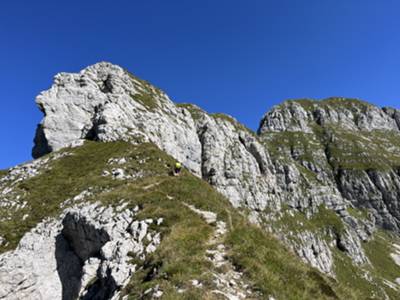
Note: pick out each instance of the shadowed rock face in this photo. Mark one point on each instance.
(307, 154)
(41, 146)
(69, 269)
(85, 239)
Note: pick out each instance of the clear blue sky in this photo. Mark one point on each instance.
(237, 57)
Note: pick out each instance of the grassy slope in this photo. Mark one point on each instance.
(377, 150)
(333, 102)
(267, 264)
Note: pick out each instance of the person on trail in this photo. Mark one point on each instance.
(177, 169)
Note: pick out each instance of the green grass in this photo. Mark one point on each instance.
(181, 255)
(269, 266)
(147, 86)
(308, 174)
(147, 100)
(197, 113)
(283, 143)
(273, 270)
(148, 93)
(3, 172)
(375, 150)
(378, 251)
(194, 111)
(382, 268)
(322, 222)
(361, 150)
(349, 150)
(69, 176)
(333, 102)
(238, 126)
(358, 213)
(352, 278)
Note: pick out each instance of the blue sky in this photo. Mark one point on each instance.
(237, 57)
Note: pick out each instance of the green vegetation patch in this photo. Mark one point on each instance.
(354, 280)
(358, 213)
(269, 267)
(3, 173)
(147, 100)
(333, 102)
(344, 149)
(375, 150)
(147, 86)
(322, 222)
(273, 270)
(70, 175)
(384, 268)
(181, 254)
(194, 111)
(149, 94)
(235, 123)
(286, 143)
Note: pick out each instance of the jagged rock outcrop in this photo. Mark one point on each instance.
(349, 114)
(235, 162)
(106, 103)
(84, 253)
(316, 251)
(376, 191)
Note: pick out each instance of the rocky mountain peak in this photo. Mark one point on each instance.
(349, 114)
(106, 103)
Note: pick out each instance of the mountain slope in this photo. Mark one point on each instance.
(318, 183)
(78, 179)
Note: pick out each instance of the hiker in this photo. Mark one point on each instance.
(177, 169)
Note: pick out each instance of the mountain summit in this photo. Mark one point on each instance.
(306, 208)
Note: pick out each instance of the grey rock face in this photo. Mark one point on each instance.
(22, 277)
(316, 252)
(351, 244)
(105, 103)
(355, 115)
(88, 243)
(378, 191)
(236, 163)
(394, 114)
(291, 117)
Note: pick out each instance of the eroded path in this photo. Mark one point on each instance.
(229, 281)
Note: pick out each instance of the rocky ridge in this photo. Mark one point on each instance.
(319, 175)
(111, 104)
